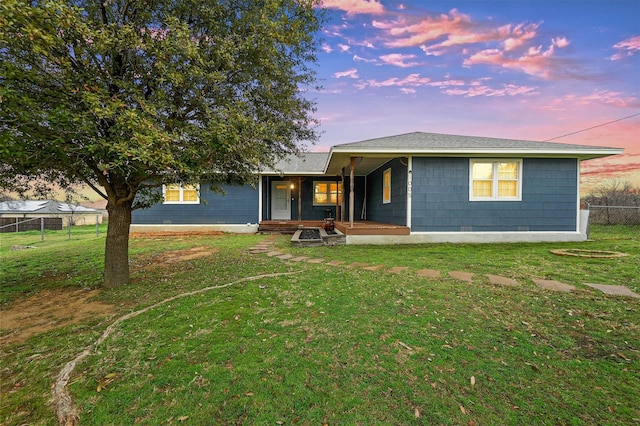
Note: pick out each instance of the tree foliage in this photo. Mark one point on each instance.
(126, 95)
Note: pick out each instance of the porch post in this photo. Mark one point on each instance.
(299, 198)
(343, 200)
(351, 194)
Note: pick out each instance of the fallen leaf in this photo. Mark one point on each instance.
(416, 413)
(248, 394)
(463, 410)
(182, 418)
(471, 423)
(473, 380)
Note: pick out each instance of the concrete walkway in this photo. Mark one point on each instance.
(266, 247)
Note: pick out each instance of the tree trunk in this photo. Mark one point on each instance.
(116, 253)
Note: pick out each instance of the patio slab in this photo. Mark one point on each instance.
(553, 285)
(461, 276)
(616, 290)
(356, 265)
(373, 268)
(428, 273)
(500, 280)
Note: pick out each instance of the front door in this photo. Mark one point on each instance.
(281, 200)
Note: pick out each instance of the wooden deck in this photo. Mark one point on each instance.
(359, 227)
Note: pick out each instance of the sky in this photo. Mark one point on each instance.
(534, 70)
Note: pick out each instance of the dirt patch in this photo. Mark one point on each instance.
(173, 256)
(47, 310)
(175, 234)
(50, 309)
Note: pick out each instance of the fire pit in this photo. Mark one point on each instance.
(307, 237)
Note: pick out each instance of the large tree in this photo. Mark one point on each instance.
(127, 95)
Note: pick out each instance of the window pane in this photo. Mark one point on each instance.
(320, 198)
(482, 170)
(482, 188)
(386, 186)
(507, 188)
(190, 195)
(508, 171)
(172, 194)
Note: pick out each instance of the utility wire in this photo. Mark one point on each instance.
(596, 126)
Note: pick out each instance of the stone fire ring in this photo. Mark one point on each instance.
(599, 254)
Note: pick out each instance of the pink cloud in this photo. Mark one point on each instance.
(602, 97)
(353, 7)
(402, 33)
(479, 89)
(357, 58)
(534, 61)
(399, 60)
(326, 48)
(412, 80)
(351, 73)
(628, 47)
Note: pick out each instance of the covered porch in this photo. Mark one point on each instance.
(361, 227)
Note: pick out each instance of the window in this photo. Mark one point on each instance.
(176, 193)
(327, 193)
(495, 180)
(386, 186)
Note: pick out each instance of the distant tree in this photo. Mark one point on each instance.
(126, 95)
(614, 192)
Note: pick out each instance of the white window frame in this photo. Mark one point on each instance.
(181, 201)
(328, 183)
(495, 180)
(385, 199)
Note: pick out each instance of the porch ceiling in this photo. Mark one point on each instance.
(363, 166)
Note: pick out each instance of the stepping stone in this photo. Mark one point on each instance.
(499, 280)
(462, 276)
(258, 250)
(299, 259)
(336, 263)
(428, 273)
(398, 269)
(373, 268)
(553, 285)
(616, 290)
(357, 265)
(315, 260)
(273, 253)
(285, 256)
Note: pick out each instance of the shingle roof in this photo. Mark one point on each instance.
(43, 207)
(373, 152)
(420, 141)
(304, 163)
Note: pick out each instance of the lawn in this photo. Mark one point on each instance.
(313, 344)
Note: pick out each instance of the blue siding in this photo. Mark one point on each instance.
(440, 198)
(238, 205)
(394, 212)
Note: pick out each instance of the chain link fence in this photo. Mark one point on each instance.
(614, 215)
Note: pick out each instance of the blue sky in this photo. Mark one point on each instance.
(515, 69)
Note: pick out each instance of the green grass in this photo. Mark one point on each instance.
(338, 345)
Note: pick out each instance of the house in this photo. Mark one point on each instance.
(409, 188)
(66, 212)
